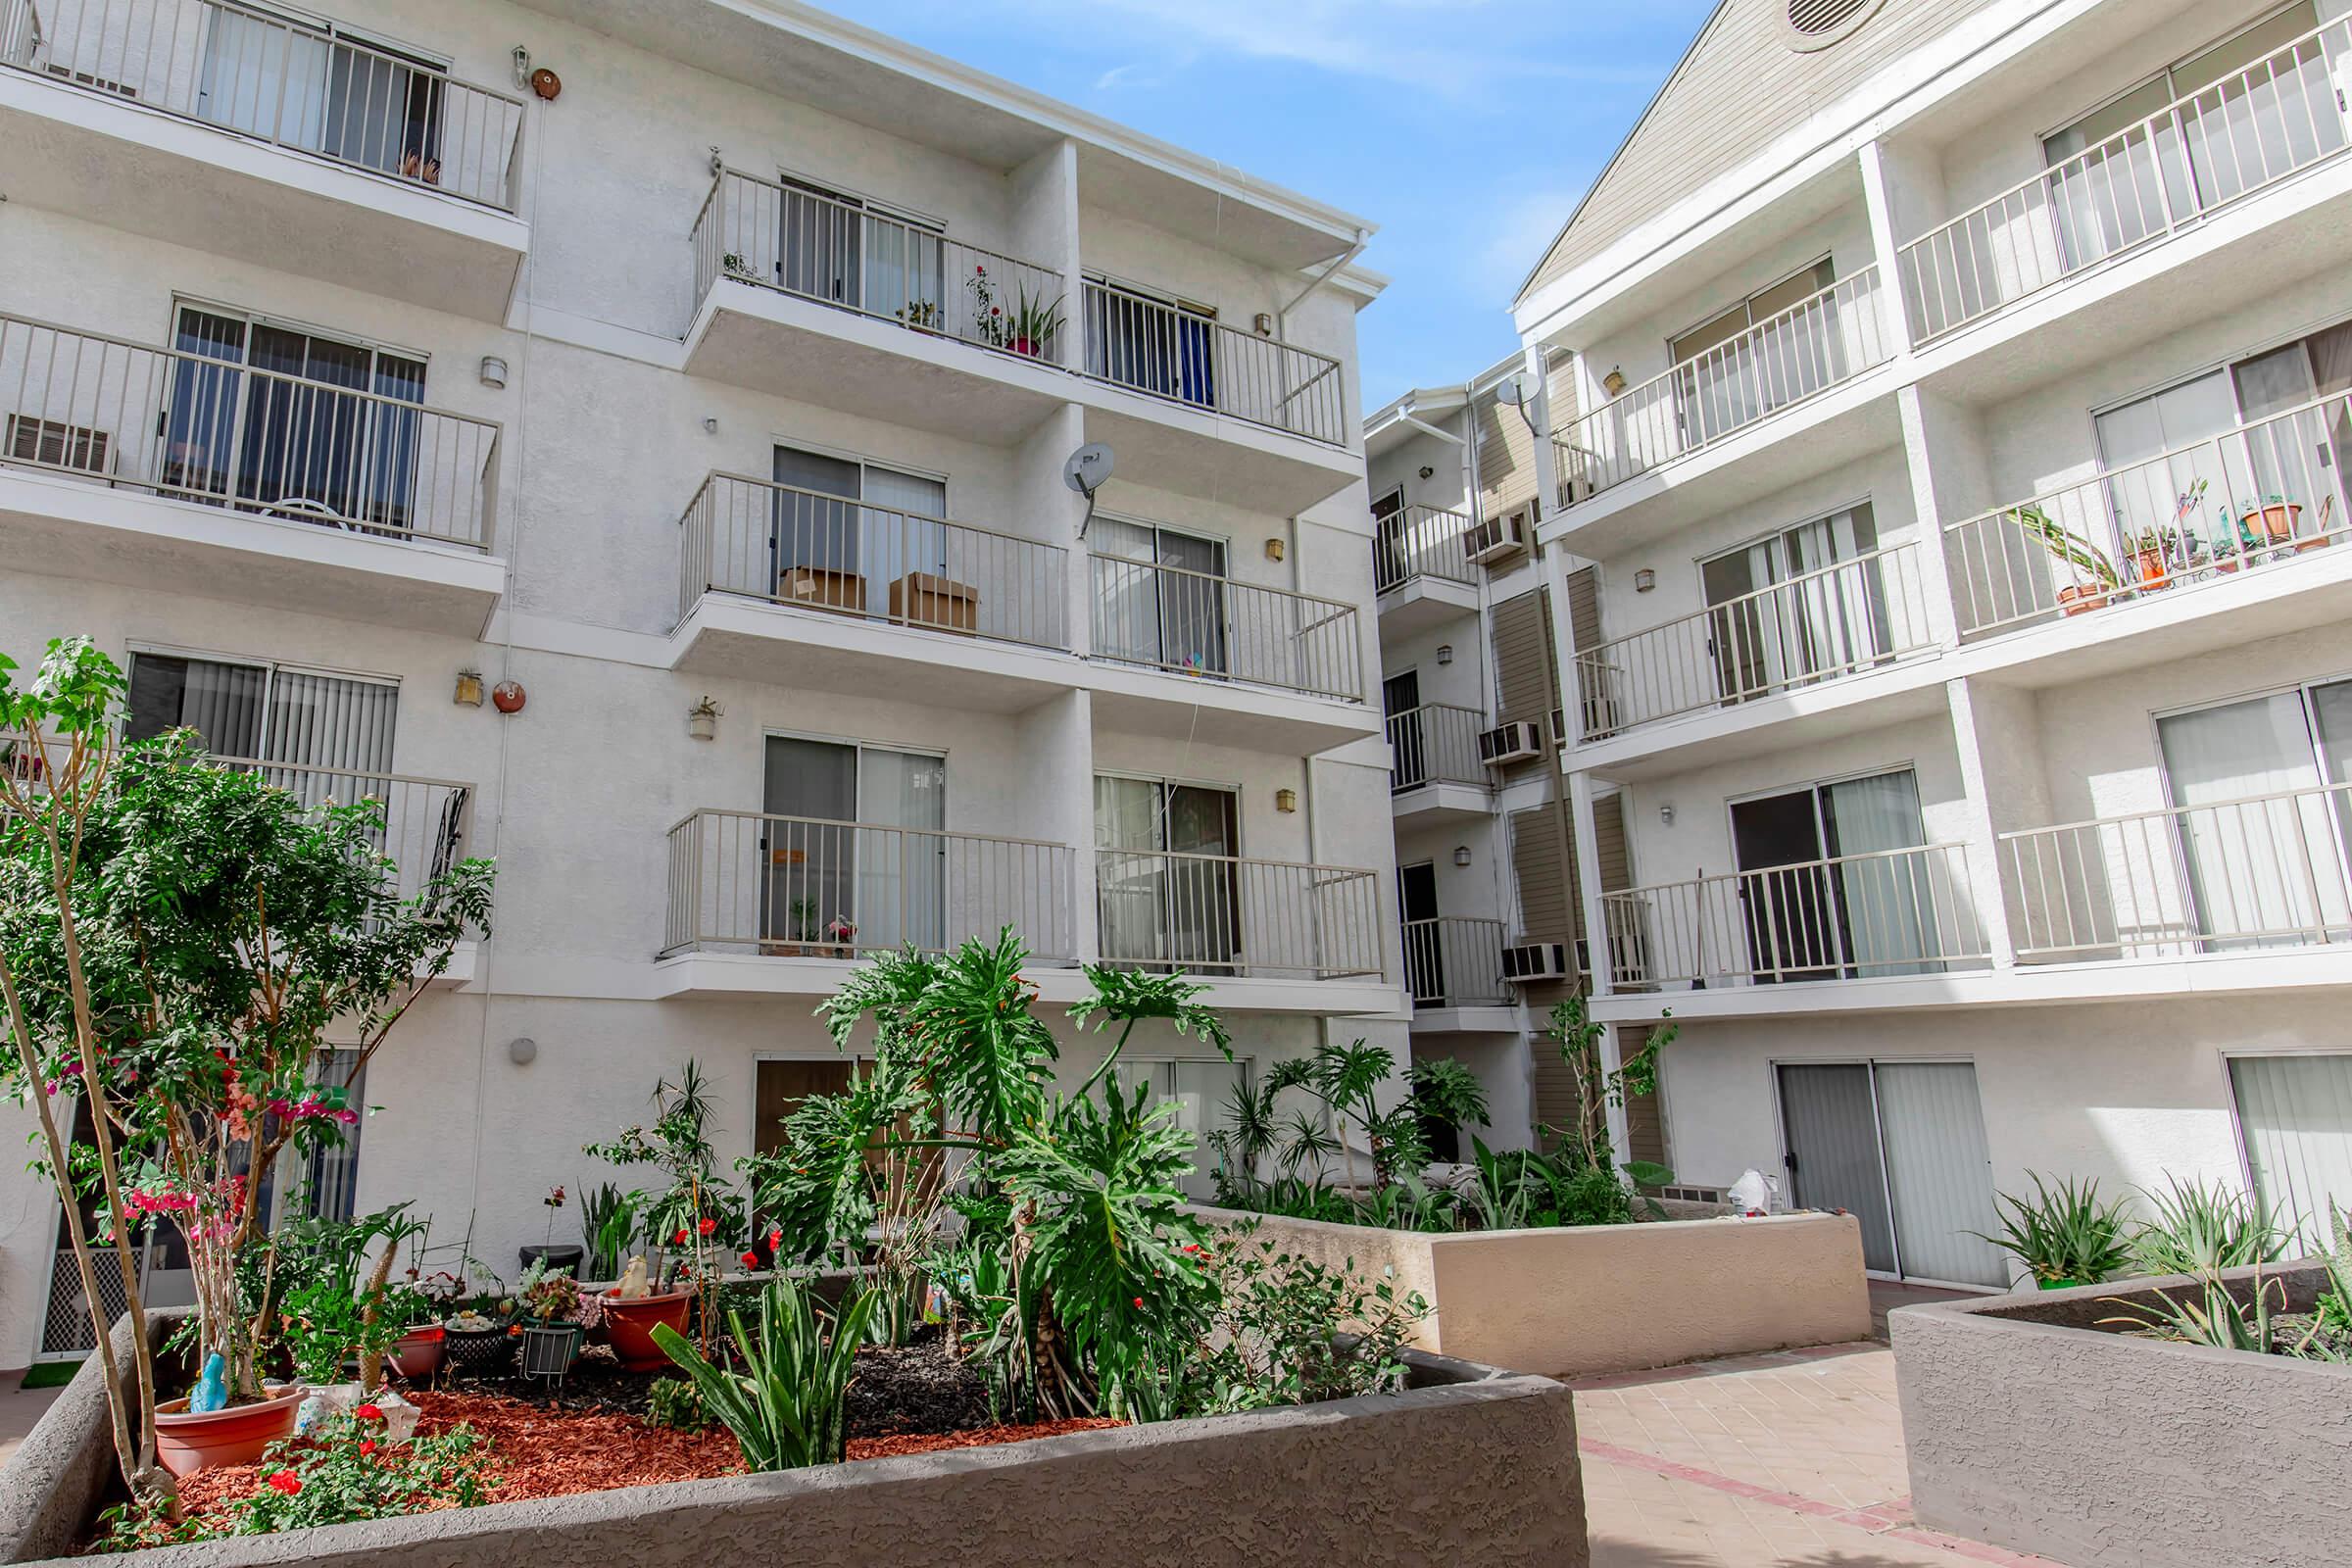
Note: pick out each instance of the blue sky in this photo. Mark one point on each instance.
(1465, 128)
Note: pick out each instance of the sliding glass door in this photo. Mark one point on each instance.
(1169, 891)
(1832, 623)
(1823, 887)
(1161, 597)
(854, 854)
(306, 84)
(847, 533)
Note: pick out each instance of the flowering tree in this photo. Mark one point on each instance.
(176, 941)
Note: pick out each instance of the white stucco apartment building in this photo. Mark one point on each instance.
(1944, 564)
(611, 357)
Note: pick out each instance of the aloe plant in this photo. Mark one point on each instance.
(2068, 546)
(2064, 1235)
(2198, 1229)
(788, 1404)
(2214, 1317)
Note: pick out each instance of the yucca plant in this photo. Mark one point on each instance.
(2201, 1229)
(2064, 1235)
(786, 1394)
(2214, 1317)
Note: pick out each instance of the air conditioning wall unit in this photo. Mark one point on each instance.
(1493, 539)
(1509, 743)
(1531, 961)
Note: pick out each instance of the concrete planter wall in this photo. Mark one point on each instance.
(1577, 1300)
(2029, 1428)
(1468, 1465)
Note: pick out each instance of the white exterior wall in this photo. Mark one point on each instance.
(605, 442)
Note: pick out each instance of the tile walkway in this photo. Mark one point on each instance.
(1790, 1460)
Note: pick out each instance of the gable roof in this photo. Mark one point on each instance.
(1738, 87)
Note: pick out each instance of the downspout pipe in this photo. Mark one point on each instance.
(1331, 270)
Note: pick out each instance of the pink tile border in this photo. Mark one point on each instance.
(1891, 1518)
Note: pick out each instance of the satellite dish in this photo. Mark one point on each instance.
(1088, 467)
(1087, 471)
(1515, 391)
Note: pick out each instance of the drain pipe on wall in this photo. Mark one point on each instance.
(1331, 270)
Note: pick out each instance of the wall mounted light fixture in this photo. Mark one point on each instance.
(470, 688)
(1428, 472)
(1462, 855)
(1444, 653)
(701, 719)
(1276, 549)
(1613, 383)
(1286, 800)
(1666, 813)
(494, 372)
(1644, 580)
(522, 1050)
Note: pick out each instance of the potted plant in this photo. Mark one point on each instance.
(801, 920)
(2064, 1237)
(2154, 554)
(476, 1339)
(844, 935)
(1028, 330)
(2273, 524)
(922, 315)
(570, 1256)
(421, 1303)
(609, 1216)
(736, 267)
(2093, 579)
(697, 1214)
(553, 1316)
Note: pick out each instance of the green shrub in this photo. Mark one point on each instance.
(2064, 1234)
(788, 1404)
(677, 1407)
(2199, 1229)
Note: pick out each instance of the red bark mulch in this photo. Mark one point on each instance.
(539, 1453)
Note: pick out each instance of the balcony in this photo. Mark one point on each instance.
(1877, 916)
(1421, 568)
(1454, 970)
(124, 463)
(2144, 187)
(2258, 874)
(1433, 771)
(1220, 914)
(792, 887)
(1859, 615)
(1194, 405)
(1789, 362)
(282, 143)
(2217, 542)
(1190, 653)
(426, 822)
(783, 584)
(818, 299)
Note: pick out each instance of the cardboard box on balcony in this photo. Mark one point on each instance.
(924, 599)
(818, 588)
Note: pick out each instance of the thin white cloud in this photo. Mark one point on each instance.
(1516, 238)
(1455, 49)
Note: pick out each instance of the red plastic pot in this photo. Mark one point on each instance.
(631, 1322)
(185, 1443)
(416, 1354)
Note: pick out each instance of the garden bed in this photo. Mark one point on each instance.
(1576, 1301)
(1465, 1458)
(2033, 1424)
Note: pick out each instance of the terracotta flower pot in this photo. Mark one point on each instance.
(416, 1354)
(185, 1443)
(2153, 574)
(2275, 522)
(630, 1323)
(2080, 601)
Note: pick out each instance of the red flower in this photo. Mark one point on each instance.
(1139, 1301)
(707, 1225)
(369, 1412)
(286, 1482)
(367, 1447)
(751, 1260)
(775, 1240)
(679, 1240)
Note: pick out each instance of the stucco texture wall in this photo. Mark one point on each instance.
(1586, 1300)
(2101, 1450)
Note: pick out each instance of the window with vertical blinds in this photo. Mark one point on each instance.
(2295, 1113)
(300, 720)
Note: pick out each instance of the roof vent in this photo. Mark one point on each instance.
(1819, 24)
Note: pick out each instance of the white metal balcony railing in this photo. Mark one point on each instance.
(197, 427)
(802, 887)
(2143, 184)
(1436, 743)
(1853, 917)
(1162, 909)
(1853, 615)
(425, 820)
(1214, 628)
(798, 547)
(2262, 493)
(2265, 871)
(282, 81)
(1421, 542)
(1454, 961)
(1815, 344)
(1148, 345)
(803, 242)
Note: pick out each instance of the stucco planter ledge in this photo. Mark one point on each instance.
(1580, 1300)
(2028, 1427)
(1469, 1464)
